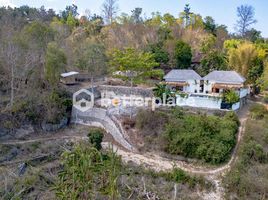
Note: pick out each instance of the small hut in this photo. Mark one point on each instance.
(69, 78)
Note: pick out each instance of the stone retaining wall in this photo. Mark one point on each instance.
(128, 91)
(99, 117)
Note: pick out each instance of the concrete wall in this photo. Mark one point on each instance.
(201, 102)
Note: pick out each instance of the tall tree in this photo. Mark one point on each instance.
(209, 25)
(187, 13)
(69, 10)
(136, 15)
(160, 54)
(110, 9)
(71, 21)
(183, 55)
(55, 63)
(11, 53)
(95, 25)
(253, 35)
(222, 35)
(169, 20)
(246, 18)
(213, 60)
(37, 36)
(132, 63)
(242, 58)
(91, 58)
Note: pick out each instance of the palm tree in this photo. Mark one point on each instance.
(160, 90)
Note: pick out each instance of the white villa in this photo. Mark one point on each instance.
(194, 91)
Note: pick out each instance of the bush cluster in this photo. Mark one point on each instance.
(95, 137)
(258, 111)
(208, 138)
(49, 107)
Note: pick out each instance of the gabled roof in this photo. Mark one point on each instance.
(64, 75)
(225, 77)
(177, 75)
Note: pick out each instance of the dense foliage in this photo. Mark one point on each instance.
(132, 63)
(183, 55)
(208, 138)
(95, 138)
(87, 172)
(231, 97)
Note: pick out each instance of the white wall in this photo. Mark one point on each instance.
(208, 86)
(202, 102)
(192, 86)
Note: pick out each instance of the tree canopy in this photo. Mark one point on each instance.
(183, 55)
(132, 63)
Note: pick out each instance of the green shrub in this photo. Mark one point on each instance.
(27, 110)
(57, 105)
(231, 116)
(86, 173)
(231, 97)
(95, 138)
(178, 175)
(157, 74)
(8, 125)
(208, 138)
(252, 151)
(258, 111)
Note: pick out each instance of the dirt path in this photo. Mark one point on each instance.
(59, 137)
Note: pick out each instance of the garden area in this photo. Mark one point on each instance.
(207, 138)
